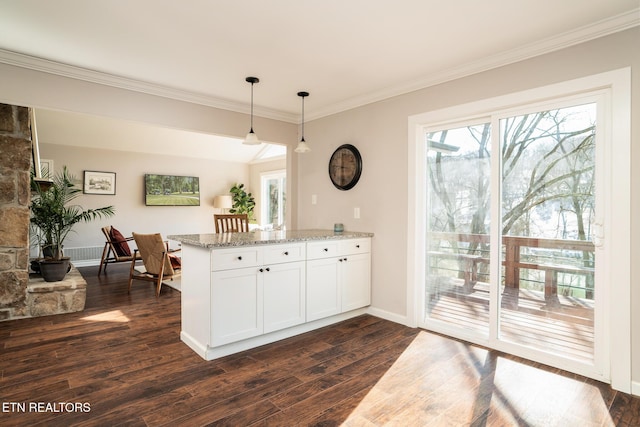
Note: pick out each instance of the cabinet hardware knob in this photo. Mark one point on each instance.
(345, 259)
(268, 269)
(261, 270)
(286, 253)
(326, 249)
(239, 258)
(358, 246)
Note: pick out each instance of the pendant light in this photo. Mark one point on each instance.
(251, 138)
(302, 145)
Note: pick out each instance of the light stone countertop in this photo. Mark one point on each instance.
(252, 238)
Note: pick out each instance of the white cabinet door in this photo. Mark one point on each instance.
(323, 288)
(236, 305)
(356, 281)
(284, 295)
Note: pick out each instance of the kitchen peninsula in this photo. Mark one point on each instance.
(243, 290)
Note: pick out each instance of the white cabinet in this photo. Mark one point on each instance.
(239, 297)
(356, 281)
(284, 295)
(236, 305)
(323, 288)
(338, 277)
(256, 290)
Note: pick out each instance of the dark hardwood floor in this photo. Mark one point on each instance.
(121, 362)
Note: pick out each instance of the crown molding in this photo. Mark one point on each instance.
(44, 65)
(593, 31)
(599, 29)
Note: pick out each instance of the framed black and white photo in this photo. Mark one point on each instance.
(99, 182)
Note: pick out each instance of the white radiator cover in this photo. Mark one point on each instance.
(86, 256)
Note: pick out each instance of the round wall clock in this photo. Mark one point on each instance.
(345, 167)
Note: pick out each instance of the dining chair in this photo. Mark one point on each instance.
(231, 223)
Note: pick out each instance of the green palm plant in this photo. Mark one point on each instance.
(52, 218)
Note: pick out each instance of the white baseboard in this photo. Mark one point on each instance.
(387, 315)
(86, 263)
(635, 388)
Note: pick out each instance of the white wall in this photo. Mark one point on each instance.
(380, 132)
(216, 177)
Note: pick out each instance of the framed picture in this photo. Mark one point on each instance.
(171, 190)
(99, 182)
(46, 168)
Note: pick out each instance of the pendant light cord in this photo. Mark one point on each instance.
(303, 118)
(251, 106)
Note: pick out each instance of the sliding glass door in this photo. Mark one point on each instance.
(510, 257)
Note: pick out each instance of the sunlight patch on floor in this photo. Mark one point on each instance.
(468, 384)
(109, 316)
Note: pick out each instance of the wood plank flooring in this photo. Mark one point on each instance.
(121, 362)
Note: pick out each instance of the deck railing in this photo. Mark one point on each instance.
(551, 256)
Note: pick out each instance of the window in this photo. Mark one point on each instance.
(273, 187)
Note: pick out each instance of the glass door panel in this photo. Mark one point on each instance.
(458, 213)
(548, 257)
(273, 199)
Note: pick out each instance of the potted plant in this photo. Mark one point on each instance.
(243, 202)
(53, 218)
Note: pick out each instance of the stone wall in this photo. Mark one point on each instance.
(15, 164)
(66, 296)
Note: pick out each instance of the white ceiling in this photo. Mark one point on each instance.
(344, 52)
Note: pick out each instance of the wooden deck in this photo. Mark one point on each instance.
(564, 328)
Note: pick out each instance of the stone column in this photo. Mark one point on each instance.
(15, 164)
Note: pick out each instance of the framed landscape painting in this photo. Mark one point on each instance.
(99, 182)
(171, 190)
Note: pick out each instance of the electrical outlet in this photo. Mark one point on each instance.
(314, 199)
(356, 213)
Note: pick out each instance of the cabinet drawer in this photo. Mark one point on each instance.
(277, 254)
(355, 246)
(323, 249)
(227, 259)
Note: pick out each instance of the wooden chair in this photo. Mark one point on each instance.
(231, 223)
(116, 248)
(156, 259)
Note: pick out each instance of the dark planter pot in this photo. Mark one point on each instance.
(35, 266)
(49, 252)
(54, 270)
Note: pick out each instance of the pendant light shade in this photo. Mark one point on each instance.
(251, 138)
(302, 147)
